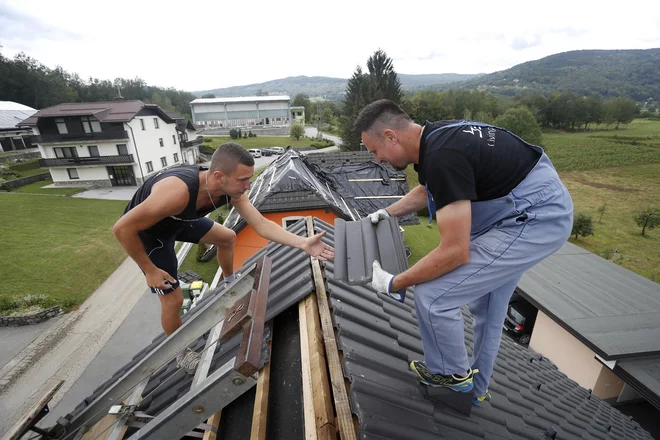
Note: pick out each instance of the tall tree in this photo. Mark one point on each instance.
(379, 82)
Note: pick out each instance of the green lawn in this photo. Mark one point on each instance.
(260, 141)
(38, 188)
(60, 247)
(634, 144)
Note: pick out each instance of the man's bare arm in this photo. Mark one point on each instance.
(411, 202)
(454, 223)
(274, 232)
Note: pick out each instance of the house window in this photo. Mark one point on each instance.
(163, 161)
(61, 126)
(176, 157)
(142, 124)
(64, 152)
(174, 139)
(150, 167)
(90, 125)
(288, 221)
(160, 141)
(155, 122)
(93, 151)
(122, 149)
(73, 173)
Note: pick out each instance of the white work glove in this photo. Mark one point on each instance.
(379, 215)
(381, 281)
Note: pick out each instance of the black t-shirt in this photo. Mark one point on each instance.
(171, 224)
(470, 162)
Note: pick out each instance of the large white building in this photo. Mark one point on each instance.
(246, 111)
(117, 143)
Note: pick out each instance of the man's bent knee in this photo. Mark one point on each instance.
(172, 300)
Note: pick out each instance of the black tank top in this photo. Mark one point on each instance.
(171, 224)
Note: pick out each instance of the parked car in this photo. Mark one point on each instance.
(267, 152)
(255, 152)
(520, 319)
(277, 150)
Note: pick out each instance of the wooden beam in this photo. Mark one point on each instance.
(308, 394)
(15, 432)
(323, 409)
(214, 421)
(342, 404)
(260, 412)
(102, 429)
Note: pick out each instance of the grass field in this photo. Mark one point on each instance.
(261, 141)
(59, 247)
(38, 188)
(618, 168)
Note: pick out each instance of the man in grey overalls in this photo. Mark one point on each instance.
(500, 208)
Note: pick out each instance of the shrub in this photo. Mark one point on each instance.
(234, 134)
(582, 225)
(201, 250)
(205, 149)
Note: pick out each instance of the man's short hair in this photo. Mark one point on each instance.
(227, 157)
(379, 113)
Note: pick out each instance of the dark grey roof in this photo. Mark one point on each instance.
(612, 310)
(643, 375)
(107, 111)
(378, 336)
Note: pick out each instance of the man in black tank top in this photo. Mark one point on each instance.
(500, 209)
(171, 206)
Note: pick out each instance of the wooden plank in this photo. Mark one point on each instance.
(325, 413)
(214, 421)
(308, 395)
(260, 412)
(102, 429)
(249, 354)
(237, 316)
(15, 432)
(342, 404)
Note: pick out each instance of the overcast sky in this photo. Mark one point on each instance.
(200, 44)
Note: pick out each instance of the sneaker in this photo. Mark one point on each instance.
(453, 381)
(188, 360)
(477, 400)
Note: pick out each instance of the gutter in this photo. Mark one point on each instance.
(137, 153)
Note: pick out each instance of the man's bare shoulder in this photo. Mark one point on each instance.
(171, 191)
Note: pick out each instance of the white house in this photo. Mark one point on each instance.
(116, 143)
(13, 137)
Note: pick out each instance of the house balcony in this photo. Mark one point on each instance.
(80, 137)
(86, 161)
(193, 143)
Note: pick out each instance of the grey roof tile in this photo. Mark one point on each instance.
(378, 337)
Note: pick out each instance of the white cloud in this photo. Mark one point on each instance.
(207, 44)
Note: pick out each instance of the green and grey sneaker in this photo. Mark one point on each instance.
(477, 400)
(452, 381)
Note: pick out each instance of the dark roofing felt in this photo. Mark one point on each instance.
(614, 311)
(378, 336)
(323, 179)
(530, 396)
